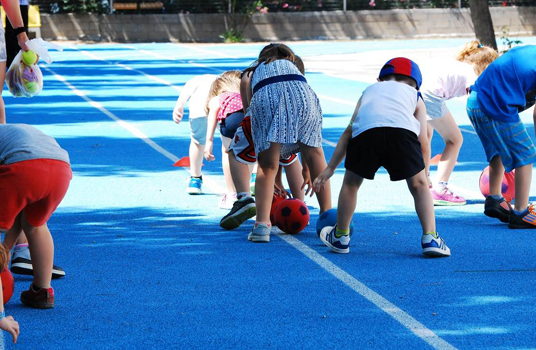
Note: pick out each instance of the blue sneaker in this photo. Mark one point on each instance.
(340, 244)
(194, 187)
(252, 184)
(260, 234)
(434, 246)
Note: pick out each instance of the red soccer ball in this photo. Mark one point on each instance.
(291, 215)
(8, 284)
(508, 186)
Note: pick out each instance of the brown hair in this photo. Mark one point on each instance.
(228, 81)
(273, 52)
(477, 55)
(299, 63)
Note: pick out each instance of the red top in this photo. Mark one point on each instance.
(230, 102)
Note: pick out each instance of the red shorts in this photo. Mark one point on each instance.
(34, 186)
(243, 148)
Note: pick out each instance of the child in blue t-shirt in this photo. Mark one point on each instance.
(388, 129)
(504, 89)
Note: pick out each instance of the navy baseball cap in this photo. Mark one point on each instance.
(402, 66)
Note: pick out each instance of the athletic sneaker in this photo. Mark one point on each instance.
(338, 244)
(252, 184)
(446, 197)
(21, 264)
(525, 220)
(260, 234)
(241, 211)
(497, 208)
(434, 246)
(42, 298)
(194, 187)
(227, 201)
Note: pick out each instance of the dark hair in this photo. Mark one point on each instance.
(401, 78)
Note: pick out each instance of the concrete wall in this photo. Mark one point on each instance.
(283, 26)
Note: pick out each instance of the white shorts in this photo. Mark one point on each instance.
(244, 149)
(435, 105)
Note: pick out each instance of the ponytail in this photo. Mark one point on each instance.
(477, 55)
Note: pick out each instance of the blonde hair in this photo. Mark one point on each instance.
(477, 55)
(228, 81)
(4, 257)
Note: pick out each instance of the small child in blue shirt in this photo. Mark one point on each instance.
(388, 129)
(504, 89)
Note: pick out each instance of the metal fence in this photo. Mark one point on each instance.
(252, 6)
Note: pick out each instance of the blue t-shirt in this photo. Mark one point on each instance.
(502, 87)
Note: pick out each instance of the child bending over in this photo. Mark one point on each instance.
(388, 128)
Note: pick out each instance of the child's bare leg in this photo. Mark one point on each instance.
(424, 205)
(523, 180)
(13, 234)
(348, 199)
(314, 156)
(196, 158)
(225, 165)
(496, 173)
(42, 251)
(240, 173)
(450, 132)
(268, 162)
(294, 176)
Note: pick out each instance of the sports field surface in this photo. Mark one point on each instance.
(148, 266)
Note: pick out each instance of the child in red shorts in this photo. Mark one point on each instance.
(34, 177)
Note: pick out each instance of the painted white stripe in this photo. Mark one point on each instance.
(213, 186)
(383, 304)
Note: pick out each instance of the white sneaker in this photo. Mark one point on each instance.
(227, 201)
(434, 246)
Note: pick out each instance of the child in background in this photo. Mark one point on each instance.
(34, 177)
(388, 128)
(195, 91)
(224, 107)
(504, 89)
(451, 80)
(285, 118)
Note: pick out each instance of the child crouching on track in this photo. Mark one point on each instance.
(505, 88)
(34, 177)
(285, 118)
(388, 128)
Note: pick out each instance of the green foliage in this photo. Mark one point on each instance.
(509, 43)
(231, 36)
(83, 6)
(241, 12)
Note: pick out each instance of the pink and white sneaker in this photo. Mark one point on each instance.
(446, 197)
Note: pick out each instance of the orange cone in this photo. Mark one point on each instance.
(184, 162)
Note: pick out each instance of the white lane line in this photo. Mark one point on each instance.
(213, 186)
(383, 304)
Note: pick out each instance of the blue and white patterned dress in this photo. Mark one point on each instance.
(286, 112)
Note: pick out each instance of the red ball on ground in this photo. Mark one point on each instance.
(291, 215)
(8, 284)
(508, 188)
(276, 200)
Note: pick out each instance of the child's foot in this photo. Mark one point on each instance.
(497, 208)
(260, 234)
(434, 246)
(39, 298)
(21, 264)
(194, 187)
(242, 210)
(526, 220)
(446, 197)
(339, 243)
(227, 201)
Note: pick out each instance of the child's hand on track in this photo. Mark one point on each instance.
(8, 324)
(208, 151)
(307, 182)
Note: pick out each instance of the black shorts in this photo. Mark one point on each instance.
(397, 150)
(229, 125)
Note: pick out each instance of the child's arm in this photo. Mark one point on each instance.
(212, 122)
(420, 114)
(307, 180)
(338, 155)
(245, 89)
(186, 93)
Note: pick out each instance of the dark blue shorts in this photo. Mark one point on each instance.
(229, 125)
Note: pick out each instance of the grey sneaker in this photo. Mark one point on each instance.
(434, 246)
(242, 210)
(260, 234)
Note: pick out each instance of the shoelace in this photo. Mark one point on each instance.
(449, 191)
(531, 209)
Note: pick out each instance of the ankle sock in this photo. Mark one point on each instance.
(241, 196)
(521, 213)
(257, 223)
(200, 177)
(21, 246)
(339, 232)
(433, 233)
(441, 185)
(496, 196)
